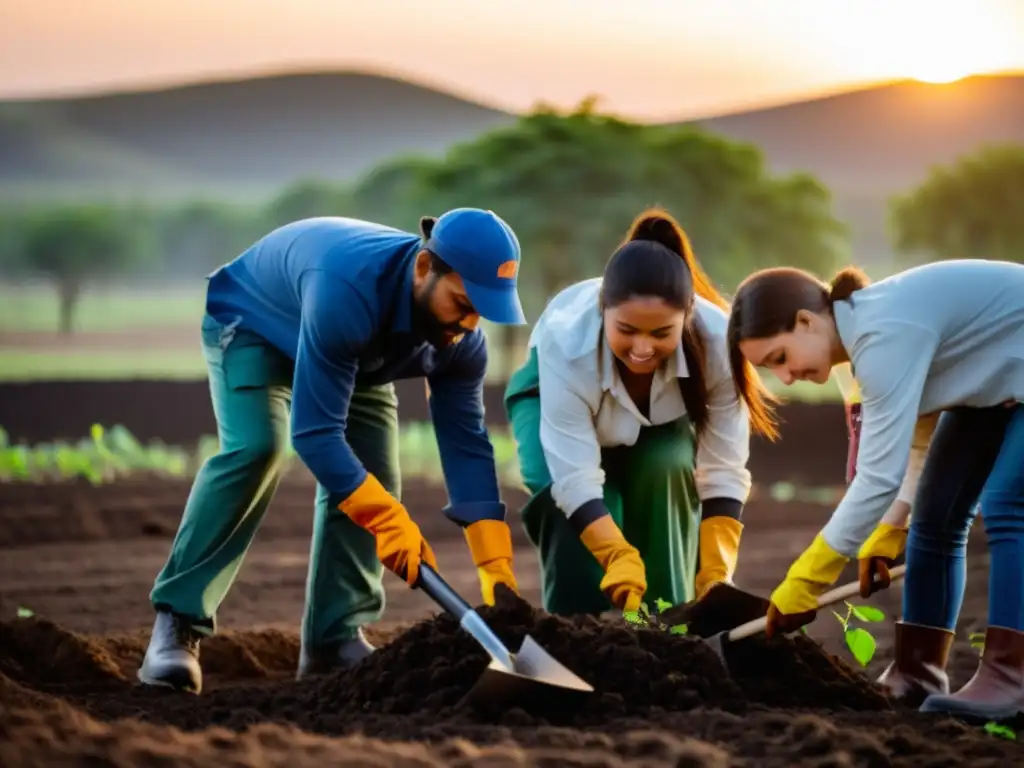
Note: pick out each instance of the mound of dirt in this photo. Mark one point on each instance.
(38, 651)
(429, 669)
(420, 678)
(661, 700)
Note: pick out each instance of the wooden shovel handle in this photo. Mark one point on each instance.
(829, 598)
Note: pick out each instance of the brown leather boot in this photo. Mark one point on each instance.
(919, 667)
(996, 692)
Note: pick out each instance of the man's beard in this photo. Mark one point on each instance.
(426, 324)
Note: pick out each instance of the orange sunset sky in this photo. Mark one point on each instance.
(647, 58)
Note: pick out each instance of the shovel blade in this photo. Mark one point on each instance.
(538, 682)
(534, 662)
(717, 643)
(723, 608)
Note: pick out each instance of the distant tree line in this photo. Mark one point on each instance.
(569, 184)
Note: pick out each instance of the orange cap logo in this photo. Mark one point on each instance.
(508, 269)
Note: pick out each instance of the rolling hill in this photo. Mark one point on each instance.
(869, 144)
(258, 134)
(251, 137)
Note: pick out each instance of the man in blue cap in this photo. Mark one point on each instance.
(318, 319)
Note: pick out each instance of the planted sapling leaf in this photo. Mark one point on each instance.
(1001, 731)
(861, 644)
(867, 613)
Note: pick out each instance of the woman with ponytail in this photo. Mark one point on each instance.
(631, 438)
(937, 355)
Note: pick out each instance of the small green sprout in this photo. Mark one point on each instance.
(633, 617)
(25, 613)
(860, 642)
(1000, 731)
(977, 640)
(643, 617)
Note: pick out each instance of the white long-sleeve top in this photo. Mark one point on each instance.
(585, 406)
(931, 338)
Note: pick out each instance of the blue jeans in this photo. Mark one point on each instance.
(976, 454)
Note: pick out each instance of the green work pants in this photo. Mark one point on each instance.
(649, 490)
(250, 387)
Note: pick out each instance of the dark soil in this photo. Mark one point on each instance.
(659, 697)
(68, 697)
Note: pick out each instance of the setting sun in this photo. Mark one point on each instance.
(935, 43)
(941, 75)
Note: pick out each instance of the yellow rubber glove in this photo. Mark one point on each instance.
(400, 544)
(719, 551)
(625, 578)
(795, 600)
(490, 543)
(877, 555)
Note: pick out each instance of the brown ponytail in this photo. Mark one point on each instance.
(659, 226)
(766, 304)
(846, 281)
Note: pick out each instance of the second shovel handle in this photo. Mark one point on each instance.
(829, 598)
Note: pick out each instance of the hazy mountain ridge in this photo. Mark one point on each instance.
(267, 131)
(254, 136)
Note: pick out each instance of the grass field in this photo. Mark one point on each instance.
(169, 315)
(34, 307)
(25, 365)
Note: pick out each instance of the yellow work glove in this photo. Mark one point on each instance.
(719, 550)
(877, 555)
(795, 600)
(400, 544)
(490, 544)
(625, 579)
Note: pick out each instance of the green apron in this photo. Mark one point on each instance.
(250, 387)
(649, 490)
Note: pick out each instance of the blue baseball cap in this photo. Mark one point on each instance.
(484, 251)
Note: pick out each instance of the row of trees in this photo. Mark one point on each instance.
(569, 184)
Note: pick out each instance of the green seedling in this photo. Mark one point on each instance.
(1000, 731)
(25, 613)
(652, 620)
(977, 640)
(860, 642)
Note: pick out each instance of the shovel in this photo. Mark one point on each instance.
(720, 640)
(530, 676)
(725, 606)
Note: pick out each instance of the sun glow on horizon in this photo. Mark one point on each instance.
(942, 76)
(937, 43)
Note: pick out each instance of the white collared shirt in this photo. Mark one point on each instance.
(585, 406)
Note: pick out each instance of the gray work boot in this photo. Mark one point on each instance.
(996, 692)
(321, 660)
(172, 658)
